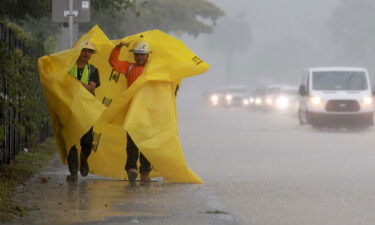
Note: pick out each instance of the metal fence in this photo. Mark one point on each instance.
(16, 132)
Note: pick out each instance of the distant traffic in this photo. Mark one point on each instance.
(327, 97)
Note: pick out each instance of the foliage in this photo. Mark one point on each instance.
(19, 86)
(352, 27)
(232, 34)
(44, 29)
(20, 34)
(130, 16)
(17, 10)
(119, 18)
(11, 176)
(192, 17)
(49, 44)
(100, 5)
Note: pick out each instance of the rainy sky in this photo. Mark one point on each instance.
(287, 37)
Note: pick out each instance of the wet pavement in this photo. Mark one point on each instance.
(259, 169)
(98, 200)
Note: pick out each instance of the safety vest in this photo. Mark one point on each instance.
(129, 70)
(85, 73)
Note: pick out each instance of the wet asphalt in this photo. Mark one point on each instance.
(258, 168)
(98, 200)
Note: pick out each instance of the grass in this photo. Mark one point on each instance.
(20, 170)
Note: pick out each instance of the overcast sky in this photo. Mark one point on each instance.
(288, 36)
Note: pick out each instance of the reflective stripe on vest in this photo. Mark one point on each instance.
(129, 70)
(85, 73)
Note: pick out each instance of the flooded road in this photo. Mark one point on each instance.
(258, 169)
(267, 169)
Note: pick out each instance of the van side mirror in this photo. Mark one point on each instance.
(302, 90)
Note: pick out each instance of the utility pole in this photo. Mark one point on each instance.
(70, 12)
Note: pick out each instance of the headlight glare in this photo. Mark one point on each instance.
(214, 98)
(316, 100)
(283, 102)
(269, 101)
(367, 100)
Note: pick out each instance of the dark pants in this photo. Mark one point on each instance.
(133, 155)
(86, 144)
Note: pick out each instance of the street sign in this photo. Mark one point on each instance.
(81, 11)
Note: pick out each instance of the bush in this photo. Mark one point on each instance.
(20, 90)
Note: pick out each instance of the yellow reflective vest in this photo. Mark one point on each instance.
(85, 73)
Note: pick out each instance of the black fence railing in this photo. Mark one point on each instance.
(17, 129)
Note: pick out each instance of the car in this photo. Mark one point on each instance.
(336, 96)
(269, 98)
(237, 96)
(278, 98)
(256, 99)
(286, 100)
(216, 97)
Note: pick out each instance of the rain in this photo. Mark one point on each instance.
(280, 127)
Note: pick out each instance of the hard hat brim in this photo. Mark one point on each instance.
(93, 51)
(139, 51)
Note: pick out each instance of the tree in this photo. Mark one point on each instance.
(231, 36)
(17, 10)
(352, 27)
(192, 17)
(119, 18)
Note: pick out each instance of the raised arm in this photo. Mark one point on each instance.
(119, 66)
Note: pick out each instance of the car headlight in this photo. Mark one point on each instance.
(367, 100)
(214, 98)
(228, 97)
(316, 100)
(283, 102)
(269, 101)
(258, 101)
(245, 102)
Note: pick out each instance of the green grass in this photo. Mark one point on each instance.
(20, 170)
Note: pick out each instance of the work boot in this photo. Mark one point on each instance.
(84, 170)
(72, 178)
(73, 165)
(145, 177)
(132, 175)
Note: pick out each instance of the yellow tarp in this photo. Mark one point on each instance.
(147, 110)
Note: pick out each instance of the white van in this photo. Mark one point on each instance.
(335, 96)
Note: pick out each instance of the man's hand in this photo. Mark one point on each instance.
(90, 86)
(119, 45)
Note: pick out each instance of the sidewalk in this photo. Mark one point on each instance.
(98, 200)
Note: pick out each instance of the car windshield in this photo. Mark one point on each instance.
(339, 80)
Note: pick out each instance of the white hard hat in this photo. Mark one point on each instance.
(89, 45)
(141, 47)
